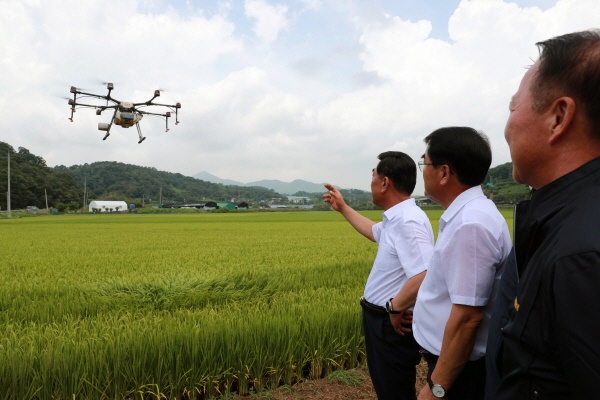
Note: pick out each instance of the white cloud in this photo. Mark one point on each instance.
(282, 107)
(269, 20)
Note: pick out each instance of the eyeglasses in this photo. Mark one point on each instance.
(422, 164)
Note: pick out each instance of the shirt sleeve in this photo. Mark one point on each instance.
(414, 246)
(376, 229)
(470, 264)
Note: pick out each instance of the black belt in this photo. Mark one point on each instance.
(372, 308)
(429, 357)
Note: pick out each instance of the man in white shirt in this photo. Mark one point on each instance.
(454, 302)
(405, 239)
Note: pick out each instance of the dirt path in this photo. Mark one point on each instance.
(326, 389)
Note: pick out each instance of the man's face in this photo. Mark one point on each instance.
(429, 178)
(524, 132)
(376, 182)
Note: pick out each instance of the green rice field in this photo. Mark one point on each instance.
(191, 306)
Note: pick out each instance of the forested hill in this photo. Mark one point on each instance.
(32, 182)
(108, 180)
(500, 186)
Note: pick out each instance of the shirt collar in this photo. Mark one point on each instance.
(392, 212)
(459, 202)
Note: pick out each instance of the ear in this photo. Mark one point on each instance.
(445, 173)
(385, 184)
(561, 114)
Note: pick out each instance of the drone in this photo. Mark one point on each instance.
(125, 114)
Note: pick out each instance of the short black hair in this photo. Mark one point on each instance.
(465, 150)
(400, 168)
(570, 66)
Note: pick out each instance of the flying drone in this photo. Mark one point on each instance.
(125, 114)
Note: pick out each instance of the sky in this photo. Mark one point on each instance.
(270, 89)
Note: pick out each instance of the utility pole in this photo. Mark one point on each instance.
(8, 214)
(46, 196)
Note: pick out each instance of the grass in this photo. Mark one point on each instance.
(201, 305)
(346, 377)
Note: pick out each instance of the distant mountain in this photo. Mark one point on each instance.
(297, 185)
(110, 180)
(208, 177)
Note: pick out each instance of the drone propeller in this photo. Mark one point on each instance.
(78, 89)
(104, 83)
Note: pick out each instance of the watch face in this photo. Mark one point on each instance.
(438, 391)
(388, 306)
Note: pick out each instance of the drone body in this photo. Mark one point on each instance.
(125, 114)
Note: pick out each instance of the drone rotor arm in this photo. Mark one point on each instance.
(91, 105)
(171, 106)
(151, 113)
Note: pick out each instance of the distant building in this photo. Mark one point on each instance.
(107, 206)
(203, 205)
(241, 204)
(229, 206)
(422, 200)
(298, 199)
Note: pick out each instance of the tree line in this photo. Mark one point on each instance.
(109, 180)
(33, 183)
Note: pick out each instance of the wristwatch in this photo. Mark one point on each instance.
(389, 308)
(438, 390)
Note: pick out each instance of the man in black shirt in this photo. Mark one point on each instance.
(551, 344)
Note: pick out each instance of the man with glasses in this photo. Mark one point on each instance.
(405, 240)
(453, 305)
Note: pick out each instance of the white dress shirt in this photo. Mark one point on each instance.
(472, 246)
(405, 239)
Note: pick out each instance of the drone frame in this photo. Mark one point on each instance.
(125, 114)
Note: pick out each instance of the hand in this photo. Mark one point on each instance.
(407, 317)
(398, 320)
(334, 197)
(425, 394)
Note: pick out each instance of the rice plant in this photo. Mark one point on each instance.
(190, 306)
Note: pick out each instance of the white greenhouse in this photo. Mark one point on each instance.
(107, 206)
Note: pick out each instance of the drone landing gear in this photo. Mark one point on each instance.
(106, 127)
(142, 138)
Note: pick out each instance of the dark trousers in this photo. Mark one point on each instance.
(470, 384)
(392, 359)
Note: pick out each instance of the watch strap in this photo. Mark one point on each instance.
(389, 307)
(437, 390)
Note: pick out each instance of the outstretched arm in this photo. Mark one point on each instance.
(361, 223)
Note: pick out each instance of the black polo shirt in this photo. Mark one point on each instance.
(552, 339)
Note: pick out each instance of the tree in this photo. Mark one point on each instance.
(31, 181)
(73, 206)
